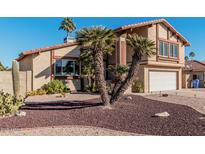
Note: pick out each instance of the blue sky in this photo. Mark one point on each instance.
(20, 34)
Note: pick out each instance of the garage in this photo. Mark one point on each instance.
(160, 81)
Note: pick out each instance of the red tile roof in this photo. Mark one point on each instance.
(38, 50)
(165, 22)
(194, 65)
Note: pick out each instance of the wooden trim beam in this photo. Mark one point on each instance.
(52, 64)
(64, 57)
(157, 42)
(169, 41)
(168, 36)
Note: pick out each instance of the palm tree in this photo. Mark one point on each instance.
(186, 58)
(192, 55)
(67, 25)
(141, 46)
(87, 70)
(99, 40)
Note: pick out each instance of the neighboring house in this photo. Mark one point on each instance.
(193, 70)
(159, 72)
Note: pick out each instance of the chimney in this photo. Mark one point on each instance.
(69, 40)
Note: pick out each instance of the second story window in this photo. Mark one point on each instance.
(163, 49)
(167, 49)
(173, 50)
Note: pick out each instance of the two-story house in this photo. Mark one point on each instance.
(159, 72)
(162, 71)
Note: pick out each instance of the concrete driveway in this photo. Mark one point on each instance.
(193, 93)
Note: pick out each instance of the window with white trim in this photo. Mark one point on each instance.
(173, 51)
(168, 49)
(66, 67)
(164, 47)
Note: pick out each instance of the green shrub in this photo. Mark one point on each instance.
(55, 87)
(9, 104)
(137, 87)
(36, 92)
(118, 70)
(92, 89)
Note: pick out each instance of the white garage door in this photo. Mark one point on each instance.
(159, 81)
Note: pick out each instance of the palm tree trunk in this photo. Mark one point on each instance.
(133, 70)
(89, 81)
(100, 78)
(116, 86)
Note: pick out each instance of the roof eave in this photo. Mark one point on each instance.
(22, 55)
(186, 43)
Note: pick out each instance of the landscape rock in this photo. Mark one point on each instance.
(162, 114)
(165, 95)
(128, 98)
(21, 113)
(202, 118)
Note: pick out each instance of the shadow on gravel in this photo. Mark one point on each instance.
(135, 115)
(59, 105)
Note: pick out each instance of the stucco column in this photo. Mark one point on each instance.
(122, 51)
(180, 79)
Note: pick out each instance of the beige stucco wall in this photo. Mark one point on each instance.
(26, 63)
(162, 30)
(6, 83)
(41, 69)
(181, 54)
(40, 65)
(151, 34)
(73, 51)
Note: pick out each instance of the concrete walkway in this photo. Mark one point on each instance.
(58, 97)
(65, 131)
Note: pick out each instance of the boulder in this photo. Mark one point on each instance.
(21, 113)
(162, 114)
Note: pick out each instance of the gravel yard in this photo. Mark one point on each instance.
(195, 103)
(128, 115)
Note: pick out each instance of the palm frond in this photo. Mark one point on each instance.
(141, 45)
(67, 25)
